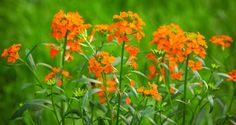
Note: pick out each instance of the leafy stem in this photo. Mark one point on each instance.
(185, 90)
(120, 83)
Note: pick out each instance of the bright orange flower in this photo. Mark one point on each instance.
(176, 75)
(74, 46)
(195, 65)
(52, 75)
(222, 40)
(53, 52)
(153, 72)
(140, 90)
(150, 92)
(232, 75)
(128, 100)
(102, 62)
(127, 23)
(132, 83)
(12, 53)
(133, 51)
(172, 90)
(71, 23)
(152, 57)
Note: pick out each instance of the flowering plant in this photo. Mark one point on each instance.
(114, 84)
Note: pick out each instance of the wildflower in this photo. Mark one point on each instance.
(222, 40)
(12, 53)
(132, 83)
(109, 88)
(153, 92)
(71, 24)
(128, 100)
(195, 65)
(172, 90)
(102, 62)
(176, 75)
(52, 75)
(152, 71)
(232, 75)
(127, 23)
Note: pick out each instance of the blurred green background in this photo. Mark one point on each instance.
(28, 22)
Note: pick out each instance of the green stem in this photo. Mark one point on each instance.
(120, 83)
(53, 106)
(185, 90)
(106, 97)
(232, 99)
(62, 62)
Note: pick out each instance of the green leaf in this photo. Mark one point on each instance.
(88, 80)
(35, 103)
(139, 73)
(224, 75)
(150, 119)
(45, 65)
(93, 91)
(134, 91)
(30, 60)
(211, 101)
(166, 118)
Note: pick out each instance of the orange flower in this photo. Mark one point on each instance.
(150, 92)
(172, 90)
(177, 45)
(53, 52)
(195, 65)
(127, 23)
(52, 75)
(152, 57)
(152, 71)
(176, 75)
(128, 101)
(74, 46)
(232, 75)
(12, 53)
(102, 62)
(132, 83)
(133, 51)
(140, 90)
(222, 40)
(71, 23)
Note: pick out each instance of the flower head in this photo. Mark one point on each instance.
(102, 62)
(70, 23)
(52, 75)
(232, 75)
(12, 53)
(222, 40)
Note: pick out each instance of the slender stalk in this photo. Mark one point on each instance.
(232, 98)
(106, 97)
(120, 83)
(53, 106)
(62, 62)
(185, 90)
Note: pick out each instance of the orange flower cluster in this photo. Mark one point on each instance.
(232, 74)
(102, 62)
(133, 51)
(111, 87)
(71, 24)
(152, 91)
(103, 28)
(177, 45)
(52, 75)
(222, 40)
(152, 70)
(12, 53)
(68, 25)
(127, 23)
